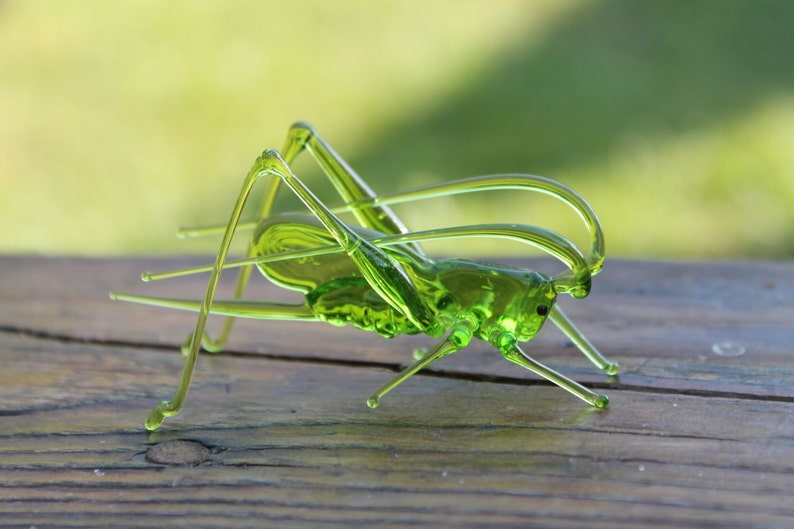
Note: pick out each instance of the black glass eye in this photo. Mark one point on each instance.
(542, 310)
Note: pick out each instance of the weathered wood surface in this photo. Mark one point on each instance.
(699, 433)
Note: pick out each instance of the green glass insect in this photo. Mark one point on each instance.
(376, 276)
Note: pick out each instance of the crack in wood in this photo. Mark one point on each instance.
(394, 367)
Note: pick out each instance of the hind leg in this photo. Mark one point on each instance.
(351, 188)
(382, 273)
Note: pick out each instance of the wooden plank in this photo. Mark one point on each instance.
(692, 438)
(672, 326)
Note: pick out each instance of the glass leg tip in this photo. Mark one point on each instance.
(601, 402)
(156, 416)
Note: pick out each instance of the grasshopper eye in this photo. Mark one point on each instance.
(542, 310)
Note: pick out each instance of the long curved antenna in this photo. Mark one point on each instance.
(562, 192)
(541, 184)
(575, 281)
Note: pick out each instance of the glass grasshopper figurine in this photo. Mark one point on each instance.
(375, 276)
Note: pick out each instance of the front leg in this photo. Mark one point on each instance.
(513, 353)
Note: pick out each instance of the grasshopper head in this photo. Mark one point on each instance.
(534, 308)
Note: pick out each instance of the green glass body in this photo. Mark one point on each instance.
(374, 274)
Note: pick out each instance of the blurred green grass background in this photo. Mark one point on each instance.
(120, 121)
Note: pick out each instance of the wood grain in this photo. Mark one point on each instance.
(275, 433)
